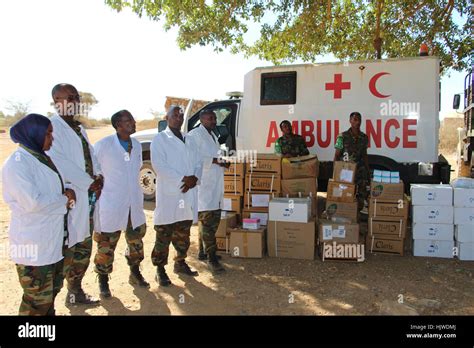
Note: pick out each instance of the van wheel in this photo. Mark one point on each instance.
(148, 181)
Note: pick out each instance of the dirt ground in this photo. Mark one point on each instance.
(268, 286)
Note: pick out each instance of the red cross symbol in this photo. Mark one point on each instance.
(337, 86)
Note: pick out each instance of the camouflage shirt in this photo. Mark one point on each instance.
(76, 126)
(355, 147)
(293, 145)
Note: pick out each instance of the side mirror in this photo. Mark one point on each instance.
(456, 101)
(162, 124)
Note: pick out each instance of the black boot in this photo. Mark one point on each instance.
(214, 265)
(104, 285)
(136, 277)
(202, 256)
(76, 295)
(161, 276)
(183, 268)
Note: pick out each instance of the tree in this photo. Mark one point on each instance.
(304, 29)
(18, 108)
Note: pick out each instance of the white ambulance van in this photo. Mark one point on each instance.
(398, 100)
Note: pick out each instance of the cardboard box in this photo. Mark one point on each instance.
(300, 167)
(387, 226)
(290, 209)
(250, 224)
(344, 171)
(433, 231)
(381, 244)
(433, 248)
(223, 244)
(266, 163)
(464, 233)
(255, 213)
(465, 251)
(433, 214)
(427, 194)
(387, 191)
(227, 221)
(334, 251)
(342, 209)
(247, 243)
(341, 191)
(232, 203)
(293, 240)
(330, 231)
(378, 208)
(234, 185)
(304, 187)
(464, 197)
(262, 182)
(464, 216)
(235, 169)
(257, 199)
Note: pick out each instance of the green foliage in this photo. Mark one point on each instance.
(304, 29)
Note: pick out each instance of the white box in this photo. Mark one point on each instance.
(429, 214)
(251, 224)
(377, 172)
(465, 251)
(262, 216)
(433, 248)
(377, 178)
(290, 209)
(464, 216)
(394, 177)
(433, 231)
(429, 194)
(386, 179)
(463, 197)
(260, 200)
(464, 233)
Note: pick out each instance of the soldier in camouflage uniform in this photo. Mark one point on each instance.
(176, 166)
(35, 192)
(290, 145)
(351, 146)
(211, 187)
(121, 203)
(77, 257)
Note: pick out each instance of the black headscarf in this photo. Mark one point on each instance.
(30, 132)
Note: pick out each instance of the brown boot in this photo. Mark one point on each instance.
(136, 277)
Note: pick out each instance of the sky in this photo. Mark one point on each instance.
(123, 60)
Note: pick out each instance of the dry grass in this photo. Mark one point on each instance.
(448, 134)
(147, 124)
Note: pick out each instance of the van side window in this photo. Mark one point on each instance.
(278, 88)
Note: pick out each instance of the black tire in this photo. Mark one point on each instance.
(147, 180)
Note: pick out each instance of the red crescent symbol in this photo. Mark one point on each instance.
(373, 88)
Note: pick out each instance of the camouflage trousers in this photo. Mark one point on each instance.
(176, 233)
(208, 225)
(361, 181)
(107, 242)
(76, 261)
(77, 257)
(40, 286)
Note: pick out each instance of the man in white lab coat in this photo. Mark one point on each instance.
(176, 168)
(75, 160)
(121, 202)
(211, 188)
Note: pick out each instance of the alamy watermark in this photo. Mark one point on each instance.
(19, 251)
(408, 109)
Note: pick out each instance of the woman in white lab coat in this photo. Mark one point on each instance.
(34, 191)
(176, 168)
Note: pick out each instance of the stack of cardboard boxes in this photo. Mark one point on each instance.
(433, 230)
(388, 214)
(341, 193)
(340, 230)
(232, 204)
(463, 189)
(293, 217)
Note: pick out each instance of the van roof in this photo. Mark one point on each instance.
(307, 65)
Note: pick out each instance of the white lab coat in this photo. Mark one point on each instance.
(68, 156)
(172, 160)
(211, 188)
(122, 194)
(32, 190)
